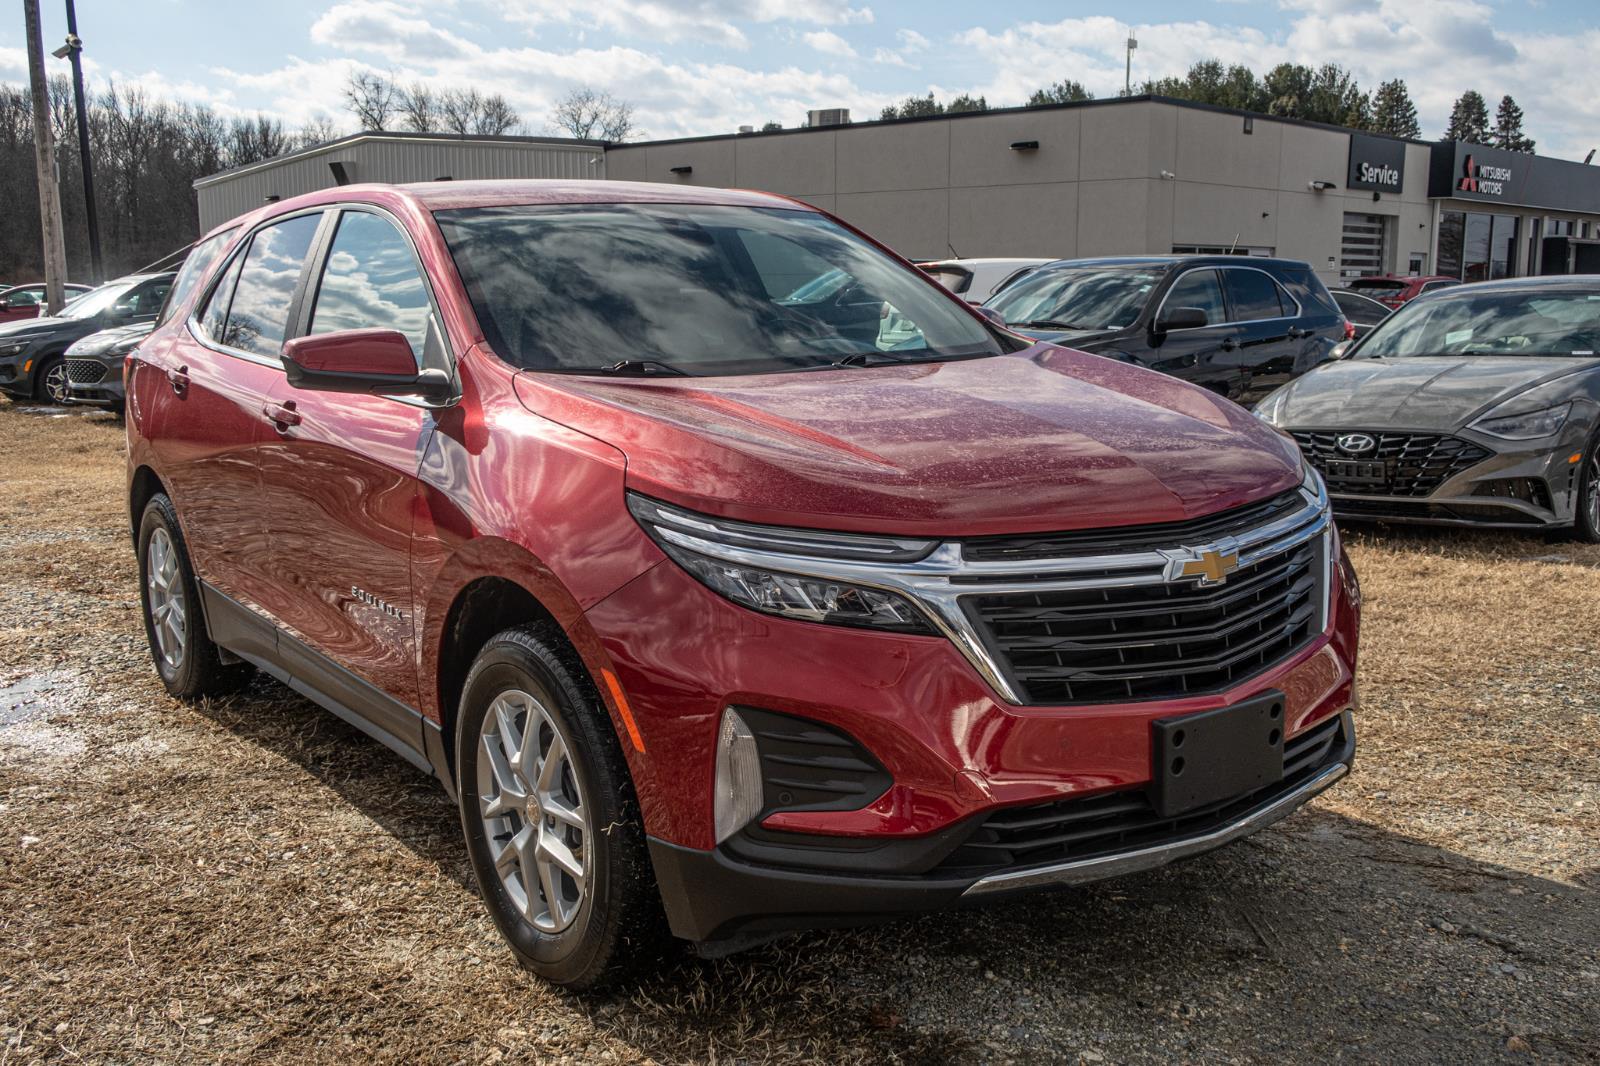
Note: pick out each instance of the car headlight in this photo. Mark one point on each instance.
(13, 349)
(1526, 426)
(1270, 408)
(716, 553)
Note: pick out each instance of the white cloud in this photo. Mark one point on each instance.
(891, 59)
(911, 40)
(829, 43)
(386, 27)
(703, 21)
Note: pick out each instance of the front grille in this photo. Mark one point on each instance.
(1418, 510)
(86, 371)
(1527, 489)
(1415, 464)
(1230, 523)
(1115, 822)
(1154, 641)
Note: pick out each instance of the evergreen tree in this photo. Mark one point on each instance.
(1393, 112)
(1469, 119)
(1508, 128)
(1287, 89)
(1062, 92)
(913, 107)
(966, 103)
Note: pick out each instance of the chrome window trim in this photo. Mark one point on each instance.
(1299, 308)
(939, 582)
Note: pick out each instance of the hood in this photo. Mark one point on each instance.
(23, 328)
(1046, 439)
(116, 340)
(1066, 337)
(1432, 392)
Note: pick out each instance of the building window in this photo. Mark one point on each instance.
(1221, 249)
(1452, 230)
(1474, 246)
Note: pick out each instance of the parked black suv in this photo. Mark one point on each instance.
(32, 351)
(1240, 326)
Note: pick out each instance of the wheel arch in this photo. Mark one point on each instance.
(142, 486)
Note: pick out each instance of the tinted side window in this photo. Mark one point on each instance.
(1198, 288)
(146, 300)
(371, 281)
(195, 268)
(259, 315)
(1255, 296)
(216, 310)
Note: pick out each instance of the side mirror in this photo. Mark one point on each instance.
(377, 361)
(1182, 318)
(122, 310)
(992, 315)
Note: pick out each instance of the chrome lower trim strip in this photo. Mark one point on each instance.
(1104, 866)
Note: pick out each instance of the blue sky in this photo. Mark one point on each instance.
(708, 66)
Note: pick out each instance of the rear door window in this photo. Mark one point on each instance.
(258, 318)
(371, 281)
(1255, 296)
(1198, 288)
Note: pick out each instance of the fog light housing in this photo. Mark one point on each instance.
(738, 790)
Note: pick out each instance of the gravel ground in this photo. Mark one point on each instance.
(251, 879)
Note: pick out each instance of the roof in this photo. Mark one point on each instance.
(1590, 282)
(1189, 260)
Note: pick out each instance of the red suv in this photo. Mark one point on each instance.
(726, 601)
(1397, 290)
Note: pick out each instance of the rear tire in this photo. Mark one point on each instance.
(1586, 509)
(186, 659)
(550, 818)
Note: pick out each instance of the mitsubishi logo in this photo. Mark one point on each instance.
(1206, 566)
(1469, 178)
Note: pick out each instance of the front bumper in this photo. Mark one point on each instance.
(713, 896)
(16, 378)
(94, 381)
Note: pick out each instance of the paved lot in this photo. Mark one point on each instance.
(251, 879)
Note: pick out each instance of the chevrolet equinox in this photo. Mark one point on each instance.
(732, 575)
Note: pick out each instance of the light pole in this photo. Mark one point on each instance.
(72, 50)
(1127, 75)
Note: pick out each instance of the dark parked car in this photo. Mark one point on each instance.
(24, 301)
(713, 596)
(1397, 290)
(1362, 312)
(33, 351)
(1479, 405)
(1238, 326)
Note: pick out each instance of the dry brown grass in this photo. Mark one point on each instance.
(250, 880)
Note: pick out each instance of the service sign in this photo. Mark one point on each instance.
(1377, 164)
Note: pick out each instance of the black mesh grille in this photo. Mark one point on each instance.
(1130, 539)
(86, 371)
(1116, 822)
(1417, 510)
(1154, 641)
(1527, 489)
(1415, 464)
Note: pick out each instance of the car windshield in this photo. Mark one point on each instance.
(1077, 298)
(92, 303)
(696, 289)
(1516, 322)
(1378, 284)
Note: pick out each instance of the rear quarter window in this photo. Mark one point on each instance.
(1306, 287)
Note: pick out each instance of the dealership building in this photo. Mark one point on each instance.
(1133, 175)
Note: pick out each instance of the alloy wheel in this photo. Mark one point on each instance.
(169, 613)
(534, 815)
(1591, 496)
(55, 384)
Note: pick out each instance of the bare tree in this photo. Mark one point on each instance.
(372, 98)
(467, 111)
(419, 108)
(589, 114)
(318, 130)
(497, 117)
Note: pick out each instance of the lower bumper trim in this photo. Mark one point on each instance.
(1100, 867)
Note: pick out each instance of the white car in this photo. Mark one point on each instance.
(975, 280)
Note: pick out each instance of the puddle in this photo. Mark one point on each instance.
(59, 412)
(26, 703)
(22, 701)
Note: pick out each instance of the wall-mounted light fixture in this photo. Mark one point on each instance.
(1249, 124)
(444, 177)
(273, 198)
(1167, 175)
(1321, 186)
(684, 169)
(1024, 146)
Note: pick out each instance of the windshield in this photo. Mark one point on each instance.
(695, 289)
(1378, 284)
(1491, 323)
(1077, 298)
(92, 303)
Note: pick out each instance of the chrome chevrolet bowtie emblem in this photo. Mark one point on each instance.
(1204, 566)
(1356, 443)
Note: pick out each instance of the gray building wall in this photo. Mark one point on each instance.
(380, 157)
(1133, 177)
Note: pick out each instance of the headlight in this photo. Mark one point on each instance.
(1527, 426)
(714, 552)
(13, 349)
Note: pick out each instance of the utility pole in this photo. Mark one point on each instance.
(72, 50)
(1127, 74)
(44, 155)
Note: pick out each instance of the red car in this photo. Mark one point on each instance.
(1393, 290)
(24, 301)
(723, 610)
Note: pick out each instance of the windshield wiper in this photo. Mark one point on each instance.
(1049, 323)
(640, 366)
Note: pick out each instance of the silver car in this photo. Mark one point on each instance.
(1479, 405)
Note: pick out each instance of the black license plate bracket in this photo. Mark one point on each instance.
(1205, 758)
(1367, 471)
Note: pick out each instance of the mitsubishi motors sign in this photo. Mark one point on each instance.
(1464, 171)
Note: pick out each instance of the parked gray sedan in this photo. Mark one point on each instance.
(1479, 405)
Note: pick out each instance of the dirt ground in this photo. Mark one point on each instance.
(253, 880)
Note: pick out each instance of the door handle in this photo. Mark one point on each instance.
(281, 415)
(179, 380)
(1230, 345)
(1296, 333)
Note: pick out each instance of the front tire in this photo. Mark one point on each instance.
(550, 818)
(50, 382)
(1586, 511)
(189, 663)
